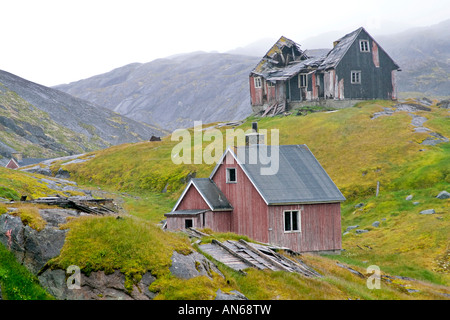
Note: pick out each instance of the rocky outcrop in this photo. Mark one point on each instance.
(96, 286)
(34, 248)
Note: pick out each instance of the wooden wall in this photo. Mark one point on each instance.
(249, 216)
(320, 227)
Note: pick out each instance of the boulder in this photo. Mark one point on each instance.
(351, 228)
(358, 231)
(428, 211)
(409, 197)
(359, 205)
(232, 295)
(443, 195)
(376, 224)
(191, 265)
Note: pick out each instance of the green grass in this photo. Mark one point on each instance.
(355, 150)
(129, 244)
(17, 283)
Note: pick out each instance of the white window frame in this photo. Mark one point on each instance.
(291, 219)
(305, 82)
(355, 77)
(364, 45)
(258, 82)
(228, 175)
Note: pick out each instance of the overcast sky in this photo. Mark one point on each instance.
(59, 41)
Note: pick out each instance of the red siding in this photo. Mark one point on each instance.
(11, 164)
(192, 200)
(249, 216)
(256, 93)
(219, 221)
(320, 227)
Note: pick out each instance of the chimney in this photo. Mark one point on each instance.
(17, 156)
(254, 137)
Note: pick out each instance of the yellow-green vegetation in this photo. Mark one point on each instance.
(128, 244)
(14, 184)
(355, 150)
(29, 214)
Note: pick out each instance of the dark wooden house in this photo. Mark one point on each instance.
(297, 207)
(357, 68)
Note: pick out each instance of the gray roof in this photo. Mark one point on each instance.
(192, 212)
(338, 52)
(299, 179)
(209, 191)
(212, 194)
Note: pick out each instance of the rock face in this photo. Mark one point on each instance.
(35, 248)
(192, 265)
(174, 92)
(96, 286)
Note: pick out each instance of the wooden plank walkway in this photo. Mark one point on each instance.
(240, 255)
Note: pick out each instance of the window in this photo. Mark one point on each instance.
(302, 80)
(291, 221)
(356, 77)
(270, 84)
(188, 223)
(258, 82)
(231, 175)
(364, 46)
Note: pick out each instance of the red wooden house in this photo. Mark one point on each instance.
(297, 207)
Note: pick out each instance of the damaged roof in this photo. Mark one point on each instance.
(281, 55)
(272, 68)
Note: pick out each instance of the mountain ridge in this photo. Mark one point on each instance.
(41, 121)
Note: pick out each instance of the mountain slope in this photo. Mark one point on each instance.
(42, 121)
(174, 92)
(357, 147)
(213, 87)
(424, 56)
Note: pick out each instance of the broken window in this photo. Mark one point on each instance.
(356, 77)
(302, 80)
(231, 175)
(258, 82)
(364, 45)
(291, 221)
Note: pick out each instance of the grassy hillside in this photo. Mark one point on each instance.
(356, 150)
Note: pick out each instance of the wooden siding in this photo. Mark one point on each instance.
(192, 200)
(249, 216)
(376, 71)
(178, 222)
(219, 221)
(12, 164)
(256, 94)
(320, 227)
